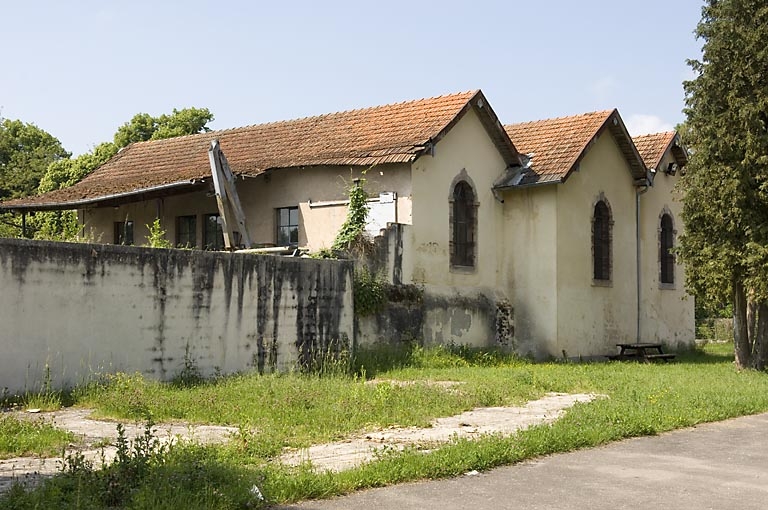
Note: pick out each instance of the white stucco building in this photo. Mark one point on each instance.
(550, 238)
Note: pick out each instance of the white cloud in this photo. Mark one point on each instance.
(640, 124)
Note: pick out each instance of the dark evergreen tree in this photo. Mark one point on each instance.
(725, 208)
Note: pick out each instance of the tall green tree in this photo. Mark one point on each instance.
(62, 225)
(25, 153)
(725, 208)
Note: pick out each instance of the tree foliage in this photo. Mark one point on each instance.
(25, 153)
(725, 208)
(143, 127)
(62, 225)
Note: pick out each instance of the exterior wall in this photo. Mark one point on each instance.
(591, 316)
(98, 224)
(260, 197)
(402, 319)
(529, 267)
(300, 186)
(666, 312)
(460, 304)
(83, 309)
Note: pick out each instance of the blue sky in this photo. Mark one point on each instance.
(80, 69)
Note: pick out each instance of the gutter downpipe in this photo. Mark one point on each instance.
(638, 192)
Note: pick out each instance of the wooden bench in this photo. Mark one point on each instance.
(641, 351)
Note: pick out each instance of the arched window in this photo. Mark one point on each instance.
(463, 225)
(601, 242)
(666, 255)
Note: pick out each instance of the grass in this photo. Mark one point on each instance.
(293, 410)
(25, 437)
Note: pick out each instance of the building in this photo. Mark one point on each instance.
(550, 238)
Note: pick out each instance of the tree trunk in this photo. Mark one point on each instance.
(760, 342)
(751, 318)
(741, 343)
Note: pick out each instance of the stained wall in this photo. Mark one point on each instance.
(85, 309)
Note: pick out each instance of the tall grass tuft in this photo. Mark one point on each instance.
(27, 437)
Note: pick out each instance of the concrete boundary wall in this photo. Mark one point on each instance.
(83, 309)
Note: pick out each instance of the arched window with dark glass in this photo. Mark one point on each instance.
(666, 253)
(601, 242)
(463, 226)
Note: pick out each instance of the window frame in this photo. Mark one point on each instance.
(280, 227)
(602, 243)
(667, 261)
(124, 233)
(463, 236)
(190, 234)
(218, 243)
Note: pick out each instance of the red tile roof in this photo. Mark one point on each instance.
(556, 146)
(653, 147)
(395, 133)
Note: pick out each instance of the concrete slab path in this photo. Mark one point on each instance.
(356, 450)
(96, 439)
(716, 465)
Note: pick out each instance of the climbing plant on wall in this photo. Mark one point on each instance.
(352, 231)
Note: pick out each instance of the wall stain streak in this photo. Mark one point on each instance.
(160, 284)
(148, 309)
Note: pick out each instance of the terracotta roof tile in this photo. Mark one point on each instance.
(394, 133)
(652, 147)
(556, 145)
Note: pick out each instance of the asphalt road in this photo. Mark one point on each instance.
(720, 465)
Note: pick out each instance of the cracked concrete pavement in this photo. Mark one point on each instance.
(354, 451)
(97, 436)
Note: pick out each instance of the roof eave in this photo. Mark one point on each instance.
(527, 185)
(615, 124)
(490, 122)
(679, 151)
(99, 200)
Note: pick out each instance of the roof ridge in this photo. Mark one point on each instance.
(468, 93)
(659, 134)
(604, 113)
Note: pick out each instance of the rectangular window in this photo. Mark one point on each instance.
(213, 233)
(186, 231)
(288, 226)
(124, 232)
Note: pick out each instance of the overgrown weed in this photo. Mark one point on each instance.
(145, 473)
(297, 410)
(19, 437)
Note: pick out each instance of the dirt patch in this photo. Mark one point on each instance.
(347, 454)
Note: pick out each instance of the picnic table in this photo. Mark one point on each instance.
(641, 351)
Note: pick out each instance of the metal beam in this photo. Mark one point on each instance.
(227, 199)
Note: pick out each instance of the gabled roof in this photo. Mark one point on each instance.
(653, 147)
(556, 146)
(395, 133)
